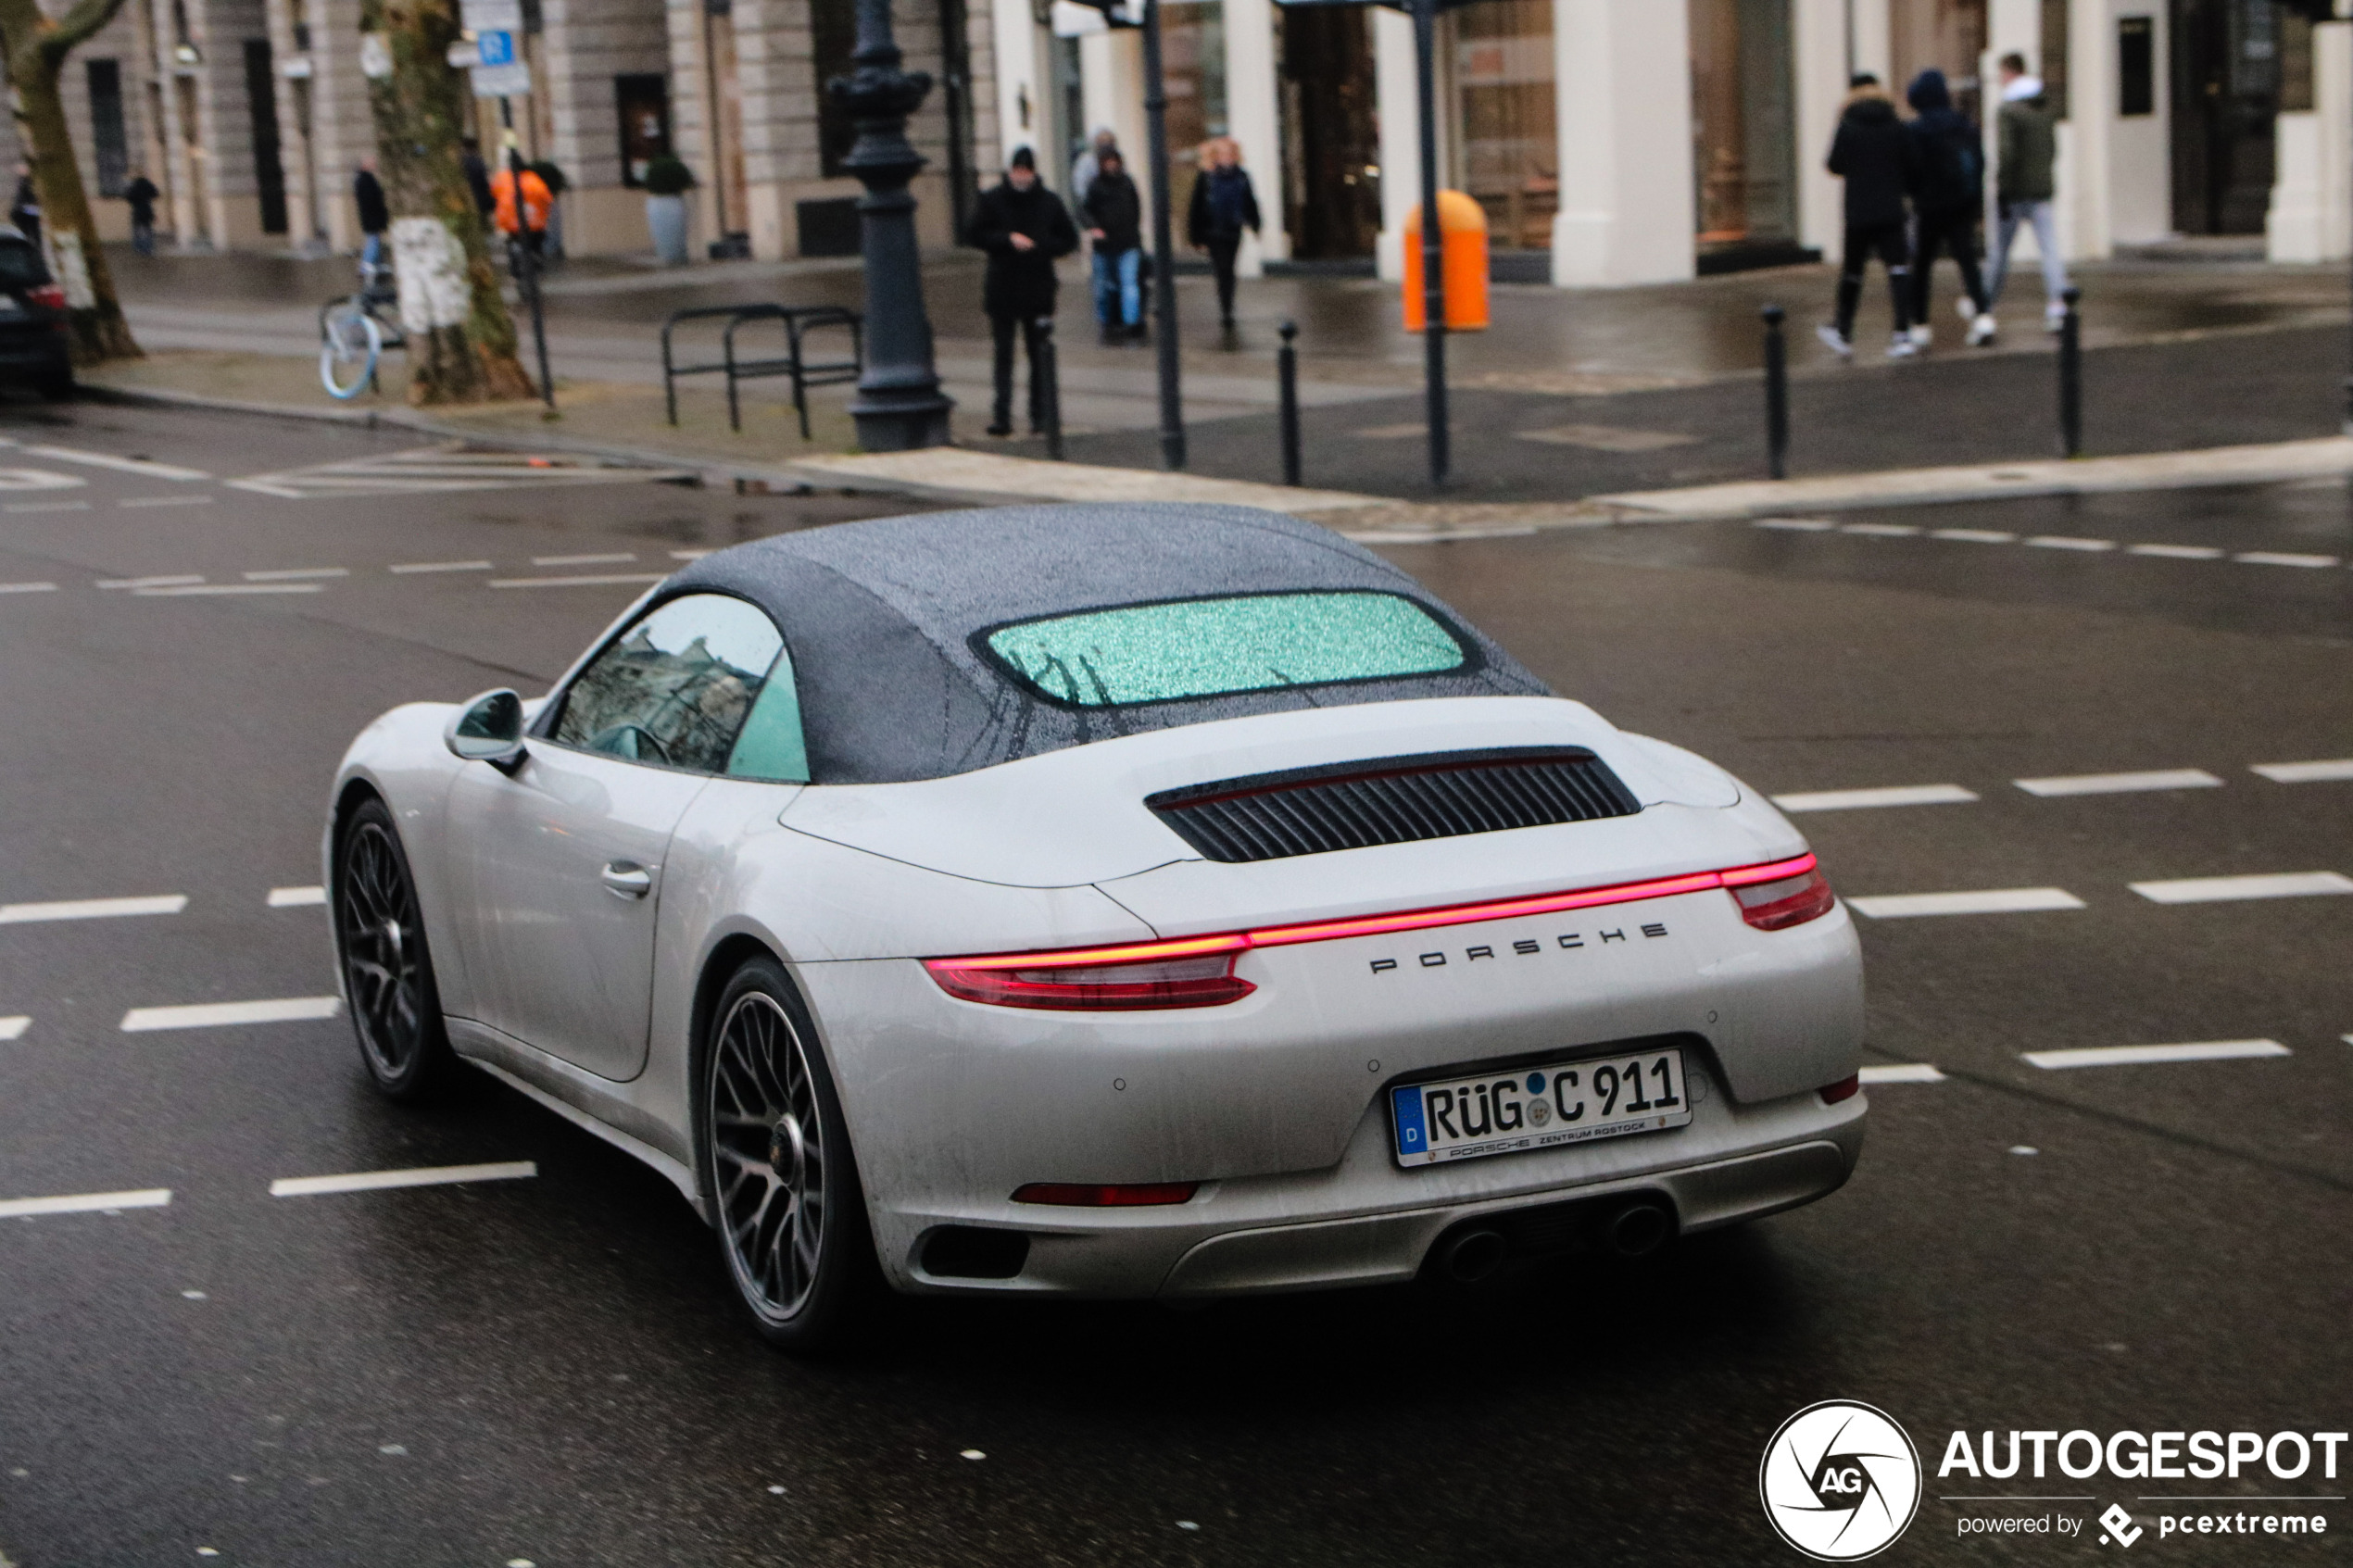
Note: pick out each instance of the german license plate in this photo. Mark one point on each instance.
(1574, 1102)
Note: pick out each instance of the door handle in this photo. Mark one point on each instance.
(627, 879)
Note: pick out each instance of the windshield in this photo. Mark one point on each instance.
(1213, 647)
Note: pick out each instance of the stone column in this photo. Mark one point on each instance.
(1622, 74)
(1401, 129)
(1817, 53)
(2312, 194)
(2085, 170)
(1254, 118)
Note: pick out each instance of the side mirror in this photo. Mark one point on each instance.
(489, 729)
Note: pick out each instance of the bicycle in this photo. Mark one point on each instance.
(355, 330)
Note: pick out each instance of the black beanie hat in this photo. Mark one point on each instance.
(1024, 159)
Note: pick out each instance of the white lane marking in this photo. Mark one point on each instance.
(607, 580)
(214, 1015)
(86, 1202)
(1903, 1072)
(2224, 889)
(407, 567)
(297, 574)
(14, 1028)
(1975, 535)
(1881, 530)
(149, 582)
(690, 555)
(1862, 800)
(2176, 552)
(1984, 902)
(28, 587)
(1797, 524)
(611, 557)
(93, 909)
(296, 897)
(165, 501)
(2120, 784)
(120, 465)
(223, 590)
(47, 506)
(2068, 541)
(2142, 1056)
(1424, 536)
(2282, 557)
(378, 1180)
(2307, 772)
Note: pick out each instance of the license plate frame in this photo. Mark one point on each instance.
(1570, 1099)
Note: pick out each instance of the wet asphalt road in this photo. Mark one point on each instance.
(547, 1370)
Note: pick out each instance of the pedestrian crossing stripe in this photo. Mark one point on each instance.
(448, 466)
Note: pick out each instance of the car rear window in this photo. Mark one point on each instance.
(1217, 646)
(20, 266)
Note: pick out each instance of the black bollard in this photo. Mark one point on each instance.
(1050, 382)
(2070, 377)
(1776, 395)
(1286, 383)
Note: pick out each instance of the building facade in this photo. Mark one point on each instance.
(1610, 142)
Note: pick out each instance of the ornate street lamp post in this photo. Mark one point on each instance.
(898, 405)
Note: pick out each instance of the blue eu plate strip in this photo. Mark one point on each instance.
(1412, 1138)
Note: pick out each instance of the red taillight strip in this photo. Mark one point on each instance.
(1371, 925)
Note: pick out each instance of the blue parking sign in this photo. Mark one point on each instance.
(498, 48)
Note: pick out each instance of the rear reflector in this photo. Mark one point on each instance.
(49, 294)
(1190, 972)
(1844, 1088)
(1068, 1194)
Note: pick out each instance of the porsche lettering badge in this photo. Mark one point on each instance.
(1528, 947)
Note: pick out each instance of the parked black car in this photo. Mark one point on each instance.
(33, 319)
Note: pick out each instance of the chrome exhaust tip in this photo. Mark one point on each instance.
(1474, 1256)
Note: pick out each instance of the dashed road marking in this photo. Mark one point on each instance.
(1863, 799)
(28, 587)
(222, 590)
(1881, 530)
(2284, 557)
(215, 1015)
(690, 555)
(1902, 1073)
(2175, 552)
(93, 909)
(1974, 536)
(296, 897)
(145, 466)
(178, 581)
(85, 1204)
(165, 501)
(14, 1028)
(1984, 902)
(2120, 784)
(297, 574)
(2069, 542)
(46, 506)
(596, 581)
(2141, 1056)
(378, 1180)
(610, 558)
(2225, 889)
(1797, 524)
(407, 567)
(2331, 772)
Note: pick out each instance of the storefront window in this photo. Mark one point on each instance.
(1743, 155)
(1508, 160)
(1193, 52)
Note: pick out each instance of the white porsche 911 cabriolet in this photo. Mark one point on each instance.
(1145, 900)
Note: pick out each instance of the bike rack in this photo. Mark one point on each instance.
(798, 321)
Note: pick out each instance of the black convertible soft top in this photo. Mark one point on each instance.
(880, 618)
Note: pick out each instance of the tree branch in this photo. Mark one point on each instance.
(77, 25)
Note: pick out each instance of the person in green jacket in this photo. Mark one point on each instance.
(2023, 188)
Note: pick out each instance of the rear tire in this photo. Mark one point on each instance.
(386, 966)
(774, 1153)
(350, 344)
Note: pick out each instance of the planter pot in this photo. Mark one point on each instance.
(666, 220)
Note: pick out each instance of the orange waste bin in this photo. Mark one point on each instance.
(1462, 240)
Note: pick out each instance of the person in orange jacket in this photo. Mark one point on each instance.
(533, 228)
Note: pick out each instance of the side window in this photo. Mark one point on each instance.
(770, 746)
(675, 688)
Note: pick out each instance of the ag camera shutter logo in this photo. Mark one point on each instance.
(1840, 1481)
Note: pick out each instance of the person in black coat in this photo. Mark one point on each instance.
(1223, 205)
(141, 193)
(24, 210)
(1115, 216)
(375, 215)
(1878, 158)
(1948, 202)
(1024, 228)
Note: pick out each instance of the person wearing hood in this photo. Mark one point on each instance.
(1114, 221)
(2027, 142)
(1880, 161)
(1089, 161)
(1948, 202)
(1022, 228)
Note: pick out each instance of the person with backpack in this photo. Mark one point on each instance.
(1948, 202)
(1880, 161)
(2027, 139)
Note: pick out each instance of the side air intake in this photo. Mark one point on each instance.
(1393, 800)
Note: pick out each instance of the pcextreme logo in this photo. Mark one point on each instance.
(1840, 1480)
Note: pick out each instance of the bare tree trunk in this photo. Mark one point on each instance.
(36, 49)
(462, 340)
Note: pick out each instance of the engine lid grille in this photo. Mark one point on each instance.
(1393, 800)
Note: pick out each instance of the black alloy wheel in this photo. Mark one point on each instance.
(784, 1191)
(387, 970)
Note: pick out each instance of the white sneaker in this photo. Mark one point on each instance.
(1923, 337)
(1981, 330)
(1965, 309)
(1903, 347)
(2053, 318)
(1836, 341)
